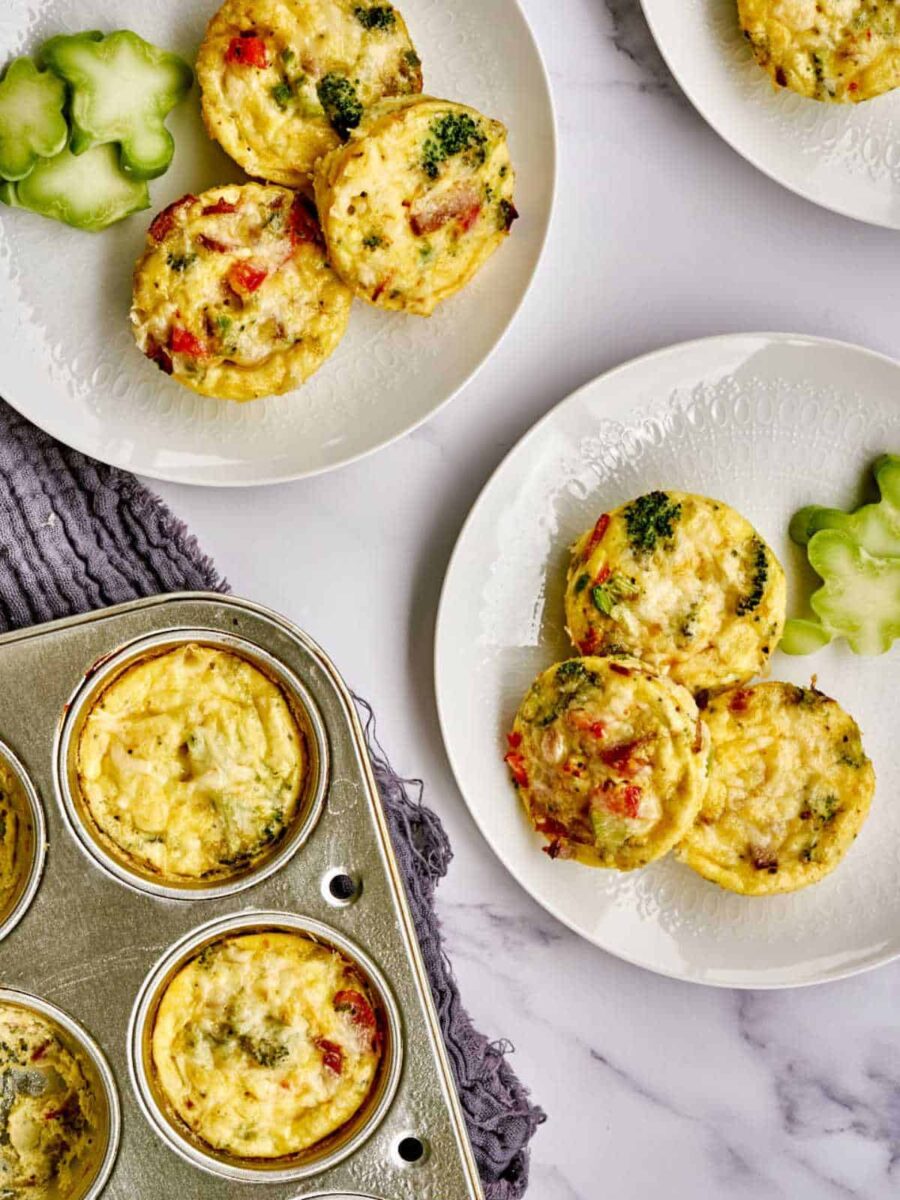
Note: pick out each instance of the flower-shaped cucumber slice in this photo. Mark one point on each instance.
(122, 91)
(89, 191)
(875, 527)
(860, 595)
(32, 125)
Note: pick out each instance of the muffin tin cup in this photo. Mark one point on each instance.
(99, 940)
(35, 814)
(339, 1145)
(68, 791)
(90, 1053)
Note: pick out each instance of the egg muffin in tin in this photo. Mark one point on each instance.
(52, 1115)
(265, 1044)
(609, 760)
(17, 840)
(234, 296)
(416, 202)
(838, 51)
(191, 766)
(789, 789)
(284, 81)
(682, 582)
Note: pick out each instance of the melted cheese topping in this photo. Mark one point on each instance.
(833, 50)
(699, 596)
(416, 202)
(789, 789)
(16, 840)
(269, 117)
(609, 761)
(191, 765)
(234, 296)
(51, 1112)
(265, 1044)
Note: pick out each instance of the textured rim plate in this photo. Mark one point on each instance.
(65, 295)
(843, 157)
(765, 422)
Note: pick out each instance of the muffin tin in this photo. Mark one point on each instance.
(97, 941)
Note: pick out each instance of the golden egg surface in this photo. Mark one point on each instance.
(790, 787)
(609, 761)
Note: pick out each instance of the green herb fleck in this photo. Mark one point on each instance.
(282, 94)
(287, 56)
(372, 241)
(342, 106)
(379, 16)
(181, 262)
(581, 583)
(650, 519)
(759, 575)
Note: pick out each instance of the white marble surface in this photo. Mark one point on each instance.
(661, 234)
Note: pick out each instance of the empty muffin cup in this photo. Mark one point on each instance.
(265, 1047)
(191, 764)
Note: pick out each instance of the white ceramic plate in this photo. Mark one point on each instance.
(767, 423)
(69, 363)
(844, 157)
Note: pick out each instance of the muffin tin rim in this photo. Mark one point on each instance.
(29, 892)
(100, 674)
(98, 1060)
(179, 954)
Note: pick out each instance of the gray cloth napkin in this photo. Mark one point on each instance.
(75, 536)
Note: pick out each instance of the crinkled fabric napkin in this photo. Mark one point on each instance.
(75, 536)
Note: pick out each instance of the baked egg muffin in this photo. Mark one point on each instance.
(839, 51)
(682, 582)
(52, 1113)
(265, 1044)
(789, 789)
(17, 841)
(191, 766)
(285, 81)
(416, 202)
(609, 761)
(234, 296)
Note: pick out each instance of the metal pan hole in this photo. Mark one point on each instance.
(411, 1150)
(341, 887)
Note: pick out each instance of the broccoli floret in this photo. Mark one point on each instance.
(379, 16)
(266, 1051)
(607, 595)
(181, 262)
(649, 519)
(342, 106)
(372, 241)
(759, 576)
(452, 134)
(282, 94)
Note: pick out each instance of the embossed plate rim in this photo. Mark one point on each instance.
(391, 374)
(743, 147)
(723, 354)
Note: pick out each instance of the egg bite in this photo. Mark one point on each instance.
(285, 81)
(191, 766)
(264, 1044)
(52, 1117)
(234, 297)
(609, 761)
(682, 582)
(416, 202)
(839, 51)
(789, 789)
(17, 840)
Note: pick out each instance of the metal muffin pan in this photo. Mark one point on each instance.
(37, 835)
(88, 693)
(100, 940)
(97, 1072)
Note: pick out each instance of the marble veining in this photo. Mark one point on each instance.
(655, 1090)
